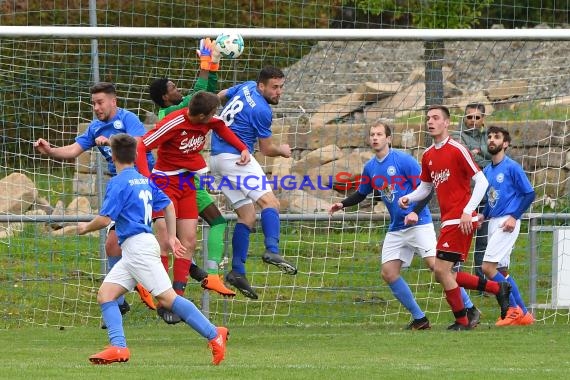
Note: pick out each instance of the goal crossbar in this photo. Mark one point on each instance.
(286, 34)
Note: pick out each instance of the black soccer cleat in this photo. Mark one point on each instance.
(125, 308)
(168, 316)
(419, 324)
(458, 327)
(474, 316)
(277, 260)
(197, 273)
(503, 297)
(239, 282)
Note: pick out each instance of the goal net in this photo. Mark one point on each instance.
(338, 82)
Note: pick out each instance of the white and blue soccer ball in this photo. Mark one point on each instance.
(231, 45)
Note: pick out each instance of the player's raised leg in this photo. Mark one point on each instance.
(271, 226)
(211, 214)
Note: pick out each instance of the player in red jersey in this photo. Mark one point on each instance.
(179, 137)
(448, 167)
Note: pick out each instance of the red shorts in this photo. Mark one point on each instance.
(183, 196)
(451, 239)
(157, 214)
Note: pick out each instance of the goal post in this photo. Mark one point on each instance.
(338, 82)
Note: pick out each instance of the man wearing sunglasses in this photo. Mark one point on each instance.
(472, 133)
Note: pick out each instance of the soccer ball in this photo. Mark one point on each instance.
(230, 45)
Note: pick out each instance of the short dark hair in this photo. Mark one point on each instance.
(503, 131)
(157, 89)
(478, 106)
(106, 87)
(442, 108)
(387, 127)
(268, 73)
(124, 148)
(203, 103)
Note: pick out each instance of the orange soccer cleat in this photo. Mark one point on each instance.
(215, 283)
(146, 297)
(513, 315)
(218, 345)
(525, 320)
(111, 354)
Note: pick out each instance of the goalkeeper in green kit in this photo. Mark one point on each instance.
(167, 96)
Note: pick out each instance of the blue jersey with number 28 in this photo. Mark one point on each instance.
(248, 115)
(130, 201)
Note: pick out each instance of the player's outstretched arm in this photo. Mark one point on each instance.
(96, 224)
(269, 149)
(66, 152)
(421, 192)
(353, 199)
(335, 207)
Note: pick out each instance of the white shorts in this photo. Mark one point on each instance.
(140, 263)
(240, 184)
(499, 243)
(401, 245)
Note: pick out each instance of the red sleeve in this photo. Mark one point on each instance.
(424, 175)
(227, 134)
(141, 162)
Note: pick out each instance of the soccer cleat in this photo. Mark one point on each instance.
(218, 345)
(124, 308)
(525, 320)
(458, 327)
(197, 273)
(111, 354)
(240, 283)
(474, 316)
(168, 316)
(503, 297)
(513, 314)
(215, 283)
(146, 297)
(277, 260)
(419, 324)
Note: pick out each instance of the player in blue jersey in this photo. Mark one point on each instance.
(248, 113)
(509, 195)
(130, 200)
(394, 174)
(110, 120)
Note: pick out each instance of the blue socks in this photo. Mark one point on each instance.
(271, 227)
(193, 317)
(114, 321)
(240, 245)
(403, 293)
(466, 300)
(516, 295)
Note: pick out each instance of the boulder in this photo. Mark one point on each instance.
(17, 194)
(317, 157)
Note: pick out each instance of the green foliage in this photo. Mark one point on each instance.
(429, 14)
